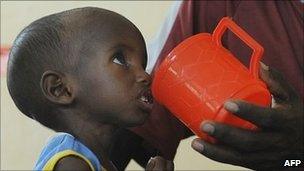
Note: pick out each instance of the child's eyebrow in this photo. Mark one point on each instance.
(121, 46)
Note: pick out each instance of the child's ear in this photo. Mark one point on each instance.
(56, 87)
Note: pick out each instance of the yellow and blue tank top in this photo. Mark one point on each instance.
(62, 145)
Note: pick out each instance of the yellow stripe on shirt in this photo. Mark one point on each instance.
(51, 163)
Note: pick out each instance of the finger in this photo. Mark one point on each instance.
(277, 85)
(261, 116)
(151, 164)
(160, 163)
(241, 139)
(216, 152)
(258, 160)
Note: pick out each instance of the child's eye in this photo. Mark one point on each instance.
(119, 59)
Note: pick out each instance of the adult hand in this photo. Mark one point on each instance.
(159, 163)
(279, 138)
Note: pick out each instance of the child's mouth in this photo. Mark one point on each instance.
(145, 100)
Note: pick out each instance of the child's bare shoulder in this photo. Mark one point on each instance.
(72, 163)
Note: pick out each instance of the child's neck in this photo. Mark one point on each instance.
(99, 140)
(97, 137)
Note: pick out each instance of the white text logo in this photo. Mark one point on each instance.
(292, 162)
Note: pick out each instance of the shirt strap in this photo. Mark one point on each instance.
(50, 164)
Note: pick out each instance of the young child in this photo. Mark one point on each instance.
(81, 72)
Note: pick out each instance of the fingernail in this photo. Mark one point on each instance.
(264, 67)
(196, 145)
(232, 107)
(208, 128)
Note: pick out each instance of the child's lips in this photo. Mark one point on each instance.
(145, 100)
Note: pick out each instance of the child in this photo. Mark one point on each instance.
(81, 72)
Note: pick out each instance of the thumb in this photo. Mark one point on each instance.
(150, 164)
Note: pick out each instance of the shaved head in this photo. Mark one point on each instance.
(59, 42)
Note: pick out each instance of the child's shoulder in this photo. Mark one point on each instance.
(62, 145)
(60, 140)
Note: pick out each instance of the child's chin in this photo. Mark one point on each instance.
(141, 119)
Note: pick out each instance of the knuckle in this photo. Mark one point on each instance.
(222, 131)
(269, 118)
(250, 142)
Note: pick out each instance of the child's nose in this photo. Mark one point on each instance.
(143, 77)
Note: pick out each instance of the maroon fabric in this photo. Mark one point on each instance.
(276, 25)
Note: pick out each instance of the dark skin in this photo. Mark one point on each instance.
(159, 163)
(280, 136)
(104, 96)
(72, 163)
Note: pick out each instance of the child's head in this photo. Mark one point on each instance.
(86, 63)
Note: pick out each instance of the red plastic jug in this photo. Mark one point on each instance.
(199, 75)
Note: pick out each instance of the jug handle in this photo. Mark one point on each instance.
(258, 50)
